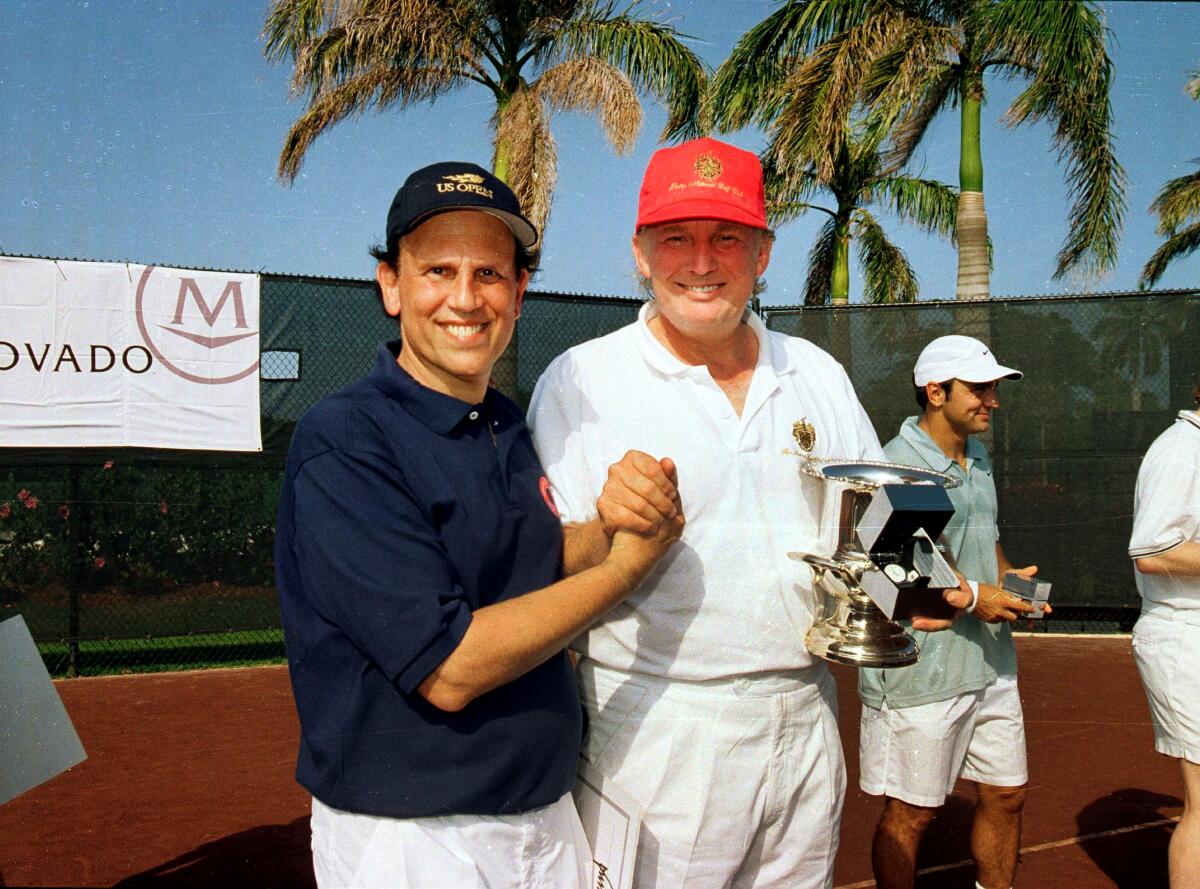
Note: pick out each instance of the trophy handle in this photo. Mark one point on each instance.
(848, 627)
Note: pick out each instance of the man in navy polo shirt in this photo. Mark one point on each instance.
(419, 564)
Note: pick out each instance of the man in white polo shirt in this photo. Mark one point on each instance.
(956, 712)
(1165, 548)
(703, 703)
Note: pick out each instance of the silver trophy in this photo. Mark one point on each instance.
(887, 518)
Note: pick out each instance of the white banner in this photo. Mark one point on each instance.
(96, 354)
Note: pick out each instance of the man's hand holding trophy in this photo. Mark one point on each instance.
(886, 563)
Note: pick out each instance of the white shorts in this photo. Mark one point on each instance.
(915, 754)
(1166, 647)
(541, 849)
(740, 780)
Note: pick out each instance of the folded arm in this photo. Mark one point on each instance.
(510, 638)
(1179, 561)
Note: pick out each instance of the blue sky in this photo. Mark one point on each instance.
(149, 132)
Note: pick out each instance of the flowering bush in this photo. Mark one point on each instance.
(139, 527)
(33, 546)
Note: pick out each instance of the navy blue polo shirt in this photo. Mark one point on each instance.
(403, 510)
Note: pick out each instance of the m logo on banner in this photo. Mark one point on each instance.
(154, 295)
(188, 286)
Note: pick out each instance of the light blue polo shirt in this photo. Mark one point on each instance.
(970, 654)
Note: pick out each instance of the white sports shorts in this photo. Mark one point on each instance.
(740, 780)
(541, 849)
(1166, 647)
(915, 754)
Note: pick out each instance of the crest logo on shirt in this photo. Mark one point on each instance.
(544, 487)
(805, 434)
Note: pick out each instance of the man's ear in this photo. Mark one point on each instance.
(388, 280)
(765, 242)
(522, 283)
(936, 394)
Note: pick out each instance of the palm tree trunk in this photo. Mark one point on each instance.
(839, 281)
(505, 370)
(973, 266)
(501, 154)
(973, 273)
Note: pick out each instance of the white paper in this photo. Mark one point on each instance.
(612, 820)
(37, 740)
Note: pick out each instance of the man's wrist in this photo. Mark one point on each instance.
(974, 585)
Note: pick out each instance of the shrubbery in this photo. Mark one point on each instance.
(142, 527)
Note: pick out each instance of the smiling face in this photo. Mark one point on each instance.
(457, 292)
(702, 272)
(968, 408)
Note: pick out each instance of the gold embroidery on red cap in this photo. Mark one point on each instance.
(708, 166)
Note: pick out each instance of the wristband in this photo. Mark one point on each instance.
(974, 585)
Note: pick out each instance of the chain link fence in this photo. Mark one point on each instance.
(140, 559)
(136, 559)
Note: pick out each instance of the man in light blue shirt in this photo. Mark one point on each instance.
(957, 712)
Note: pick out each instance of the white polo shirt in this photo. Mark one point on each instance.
(725, 600)
(1166, 509)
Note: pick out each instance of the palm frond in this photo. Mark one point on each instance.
(887, 276)
(941, 90)
(353, 55)
(788, 192)
(914, 76)
(1071, 88)
(1177, 202)
(522, 136)
(594, 86)
(1179, 245)
(291, 24)
(362, 34)
(544, 20)
(378, 87)
(926, 203)
(651, 55)
(825, 88)
(1015, 34)
(744, 89)
(819, 283)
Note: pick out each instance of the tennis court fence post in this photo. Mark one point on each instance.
(75, 571)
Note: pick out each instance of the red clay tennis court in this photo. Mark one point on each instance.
(188, 783)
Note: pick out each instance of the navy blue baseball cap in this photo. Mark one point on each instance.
(457, 185)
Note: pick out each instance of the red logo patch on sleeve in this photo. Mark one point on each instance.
(544, 487)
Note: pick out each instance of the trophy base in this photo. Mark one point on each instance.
(849, 628)
(886, 645)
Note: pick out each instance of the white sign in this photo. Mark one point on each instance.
(102, 354)
(612, 820)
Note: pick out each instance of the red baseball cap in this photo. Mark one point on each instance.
(703, 179)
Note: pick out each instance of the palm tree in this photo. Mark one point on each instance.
(1178, 204)
(907, 60)
(536, 56)
(858, 180)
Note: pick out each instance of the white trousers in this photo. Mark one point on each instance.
(741, 780)
(541, 849)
